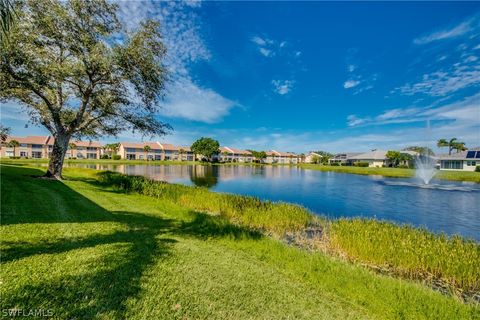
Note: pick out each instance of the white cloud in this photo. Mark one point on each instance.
(443, 82)
(13, 111)
(453, 32)
(181, 28)
(351, 83)
(282, 87)
(266, 52)
(351, 67)
(189, 101)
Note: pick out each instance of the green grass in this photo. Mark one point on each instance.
(86, 250)
(396, 172)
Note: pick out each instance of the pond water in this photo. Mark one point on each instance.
(445, 206)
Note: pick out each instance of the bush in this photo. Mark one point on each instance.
(14, 157)
(403, 166)
(116, 157)
(361, 164)
(104, 156)
(477, 169)
(335, 164)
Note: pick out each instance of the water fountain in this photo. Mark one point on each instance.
(425, 167)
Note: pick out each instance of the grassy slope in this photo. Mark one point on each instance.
(396, 172)
(89, 252)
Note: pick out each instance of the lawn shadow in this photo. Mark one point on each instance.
(104, 291)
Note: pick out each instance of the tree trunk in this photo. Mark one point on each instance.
(58, 155)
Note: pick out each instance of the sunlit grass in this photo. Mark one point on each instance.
(90, 250)
(403, 250)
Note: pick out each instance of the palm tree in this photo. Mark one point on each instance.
(7, 17)
(453, 144)
(72, 147)
(459, 146)
(4, 133)
(146, 149)
(180, 153)
(13, 144)
(442, 143)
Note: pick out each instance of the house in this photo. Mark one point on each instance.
(29, 147)
(374, 158)
(466, 160)
(177, 153)
(157, 151)
(312, 157)
(274, 156)
(378, 158)
(228, 154)
(81, 149)
(344, 159)
(136, 151)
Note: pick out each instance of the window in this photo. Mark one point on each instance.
(91, 155)
(36, 146)
(91, 148)
(23, 145)
(79, 155)
(452, 164)
(130, 156)
(471, 163)
(36, 154)
(23, 154)
(130, 149)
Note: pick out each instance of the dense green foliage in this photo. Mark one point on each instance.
(207, 147)
(361, 164)
(62, 63)
(98, 253)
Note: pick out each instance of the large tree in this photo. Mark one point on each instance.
(206, 147)
(79, 74)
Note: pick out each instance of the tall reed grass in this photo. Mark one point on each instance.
(409, 252)
(274, 218)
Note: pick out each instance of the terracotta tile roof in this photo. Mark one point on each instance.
(240, 151)
(94, 144)
(30, 139)
(171, 147)
(284, 154)
(137, 145)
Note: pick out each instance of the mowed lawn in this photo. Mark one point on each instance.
(85, 251)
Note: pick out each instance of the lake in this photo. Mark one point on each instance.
(449, 207)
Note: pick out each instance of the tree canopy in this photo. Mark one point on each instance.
(452, 144)
(78, 73)
(206, 147)
(4, 132)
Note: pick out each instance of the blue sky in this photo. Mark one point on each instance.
(336, 76)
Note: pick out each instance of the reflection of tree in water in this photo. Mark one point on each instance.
(204, 176)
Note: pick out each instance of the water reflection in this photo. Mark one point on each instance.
(204, 176)
(335, 194)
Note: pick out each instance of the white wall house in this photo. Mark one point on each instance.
(466, 160)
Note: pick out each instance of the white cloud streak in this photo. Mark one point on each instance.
(453, 32)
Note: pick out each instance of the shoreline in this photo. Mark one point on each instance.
(466, 176)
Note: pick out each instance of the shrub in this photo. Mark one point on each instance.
(477, 169)
(104, 156)
(15, 157)
(116, 157)
(335, 164)
(361, 164)
(403, 166)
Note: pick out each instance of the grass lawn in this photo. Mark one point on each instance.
(396, 172)
(86, 250)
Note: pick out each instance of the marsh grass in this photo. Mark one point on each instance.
(266, 216)
(403, 250)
